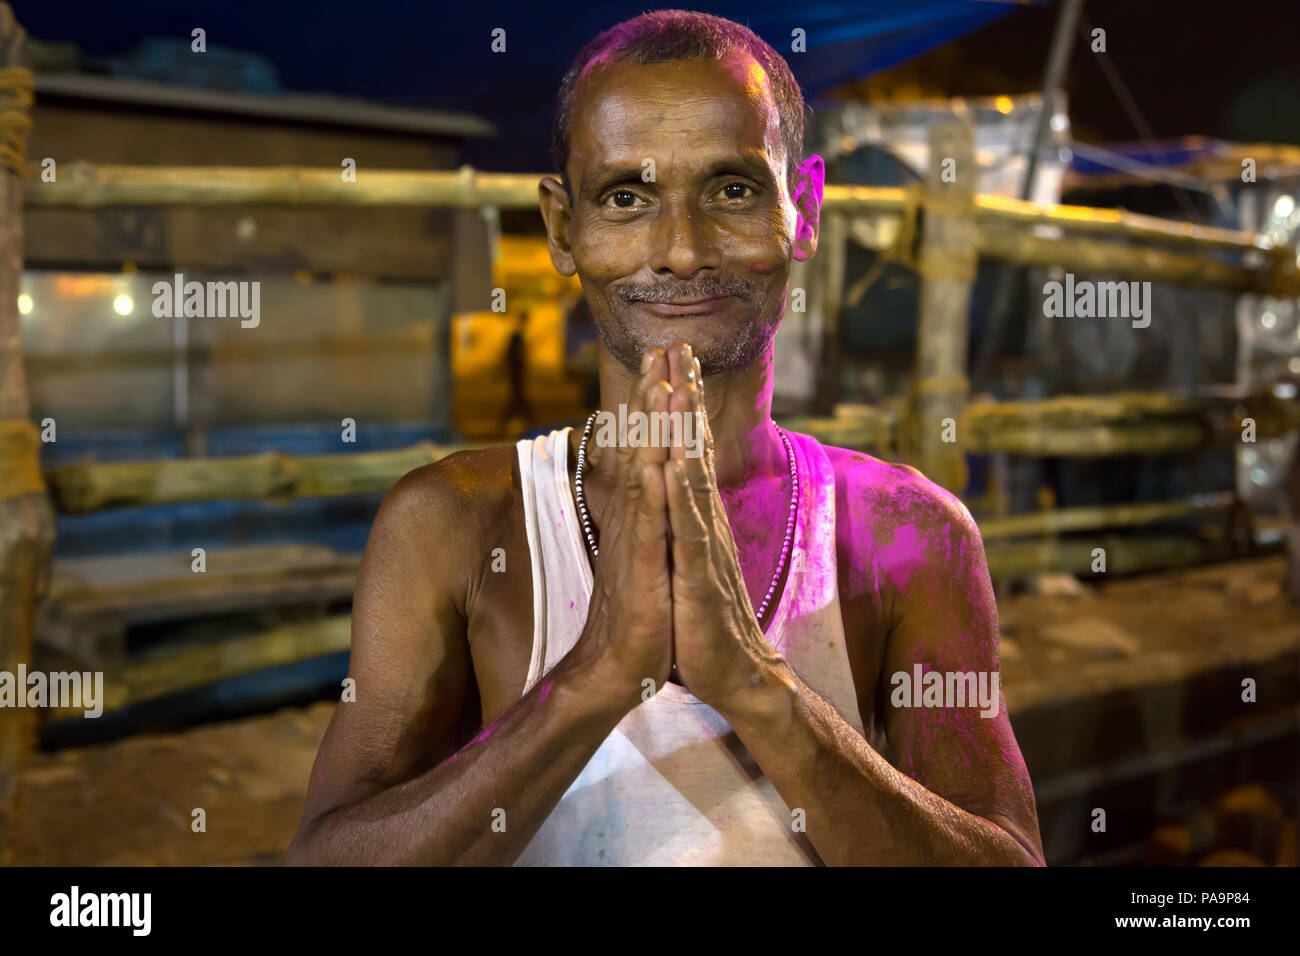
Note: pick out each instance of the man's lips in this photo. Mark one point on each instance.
(689, 306)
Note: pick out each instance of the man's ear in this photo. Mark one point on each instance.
(554, 199)
(810, 181)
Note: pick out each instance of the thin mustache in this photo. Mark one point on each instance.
(671, 292)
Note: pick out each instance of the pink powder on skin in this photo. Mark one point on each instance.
(904, 554)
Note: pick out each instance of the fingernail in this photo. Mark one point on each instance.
(646, 361)
(699, 375)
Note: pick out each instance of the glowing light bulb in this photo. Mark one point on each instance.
(25, 304)
(123, 305)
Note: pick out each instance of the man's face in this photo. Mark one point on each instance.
(682, 228)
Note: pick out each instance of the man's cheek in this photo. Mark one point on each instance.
(605, 251)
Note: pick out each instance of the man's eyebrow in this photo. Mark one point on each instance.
(604, 175)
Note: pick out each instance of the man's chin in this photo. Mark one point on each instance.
(714, 356)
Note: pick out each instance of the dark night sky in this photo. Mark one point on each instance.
(1196, 67)
(1230, 70)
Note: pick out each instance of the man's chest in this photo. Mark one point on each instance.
(501, 625)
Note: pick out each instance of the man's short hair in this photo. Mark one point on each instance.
(663, 36)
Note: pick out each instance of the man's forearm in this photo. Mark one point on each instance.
(483, 804)
(858, 809)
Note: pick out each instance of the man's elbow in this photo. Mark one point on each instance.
(305, 847)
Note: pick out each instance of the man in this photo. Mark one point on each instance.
(501, 600)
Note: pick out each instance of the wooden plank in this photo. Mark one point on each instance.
(188, 669)
(159, 586)
(83, 488)
(1060, 520)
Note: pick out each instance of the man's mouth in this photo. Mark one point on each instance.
(685, 307)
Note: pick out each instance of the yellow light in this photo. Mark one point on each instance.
(1004, 104)
(123, 305)
(25, 304)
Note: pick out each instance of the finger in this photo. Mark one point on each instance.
(653, 369)
(681, 410)
(702, 488)
(703, 428)
(650, 450)
(648, 501)
(690, 535)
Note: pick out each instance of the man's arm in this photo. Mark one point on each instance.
(961, 794)
(387, 787)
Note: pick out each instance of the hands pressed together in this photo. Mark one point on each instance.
(668, 584)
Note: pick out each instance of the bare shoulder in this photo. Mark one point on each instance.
(473, 486)
(438, 513)
(896, 496)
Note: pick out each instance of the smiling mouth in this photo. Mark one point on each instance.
(679, 308)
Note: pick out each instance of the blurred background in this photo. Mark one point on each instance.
(1127, 683)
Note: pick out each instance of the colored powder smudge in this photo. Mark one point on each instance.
(904, 554)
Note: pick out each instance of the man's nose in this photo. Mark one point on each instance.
(683, 241)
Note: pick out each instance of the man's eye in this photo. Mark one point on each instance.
(623, 198)
(737, 190)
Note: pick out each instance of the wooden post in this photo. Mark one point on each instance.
(1291, 488)
(833, 244)
(946, 265)
(26, 519)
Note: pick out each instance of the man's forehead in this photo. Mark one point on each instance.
(629, 107)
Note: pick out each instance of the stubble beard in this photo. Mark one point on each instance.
(628, 342)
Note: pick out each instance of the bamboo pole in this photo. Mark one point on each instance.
(26, 519)
(1082, 426)
(186, 670)
(87, 487)
(1004, 225)
(1090, 517)
(88, 185)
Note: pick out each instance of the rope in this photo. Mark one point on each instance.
(20, 459)
(15, 123)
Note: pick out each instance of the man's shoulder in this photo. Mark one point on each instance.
(474, 489)
(889, 495)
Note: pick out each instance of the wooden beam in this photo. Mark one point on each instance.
(1004, 226)
(1087, 518)
(26, 519)
(83, 488)
(198, 667)
(1075, 425)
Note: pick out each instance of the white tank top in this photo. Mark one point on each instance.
(672, 785)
